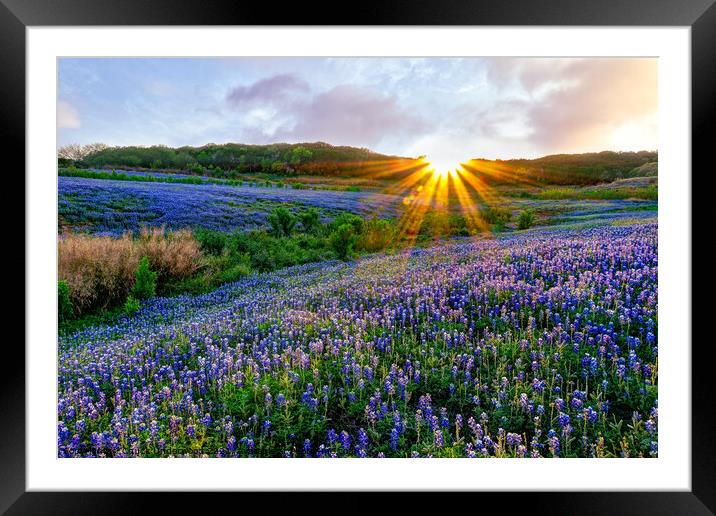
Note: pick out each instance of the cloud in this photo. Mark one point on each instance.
(286, 108)
(489, 107)
(353, 115)
(67, 116)
(578, 104)
(269, 90)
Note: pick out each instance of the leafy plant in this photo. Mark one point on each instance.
(526, 219)
(211, 241)
(342, 240)
(131, 305)
(64, 303)
(310, 219)
(145, 285)
(376, 235)
(282, 221)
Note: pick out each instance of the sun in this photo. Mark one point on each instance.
(442, 166)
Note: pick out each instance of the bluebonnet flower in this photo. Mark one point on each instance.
(362, 439)
(563, 419)
(394, 436)
(218, 353)
(513, 439)
(345, 440)
(439, 442)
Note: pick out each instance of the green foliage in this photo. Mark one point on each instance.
(232, 159)
(347, 218)
(282, 221)
(211, 241)
(131, 305)
(265, 251)
(568, 169)
(310, 219)
(498, 227)
(321, 159)
(650, 193)
(342, 240)
(526, 219)
(145, 285)
(376, 235)
(65, 310)
(496, 215)
(233, 273)
(437, 225)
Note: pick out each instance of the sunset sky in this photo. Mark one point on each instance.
(457, 107)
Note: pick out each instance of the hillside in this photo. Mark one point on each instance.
(227, 160)
(569, 169)
(321, 159)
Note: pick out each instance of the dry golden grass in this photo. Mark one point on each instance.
(100, 269)
(174, 255)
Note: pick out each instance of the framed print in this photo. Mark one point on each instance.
(453, 255)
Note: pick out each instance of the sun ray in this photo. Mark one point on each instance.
(474, 221)
(501, 172)
(418, 203)
(484, 192)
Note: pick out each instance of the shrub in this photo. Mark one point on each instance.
(99, 271)
(131, 305)
(310, 219)
(526, 219)
(211, 241)
(496, 215)
(173, 255)
(145, 285)
(282, 221)
(376, 236)
(233, 273)
(460, 225)
(348, 218)
(64, 304)
(342, 240)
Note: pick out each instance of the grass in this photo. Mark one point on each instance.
(100, 270)
(251, 181)
(601, 194)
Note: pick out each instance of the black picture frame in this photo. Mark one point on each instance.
(17, 15)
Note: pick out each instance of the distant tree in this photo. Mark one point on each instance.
(278, 166)
(77, 152)
(94, 148)
(73, 151)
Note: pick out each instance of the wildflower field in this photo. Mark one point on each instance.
(113, 207)
(401, 257)
(533, 344)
